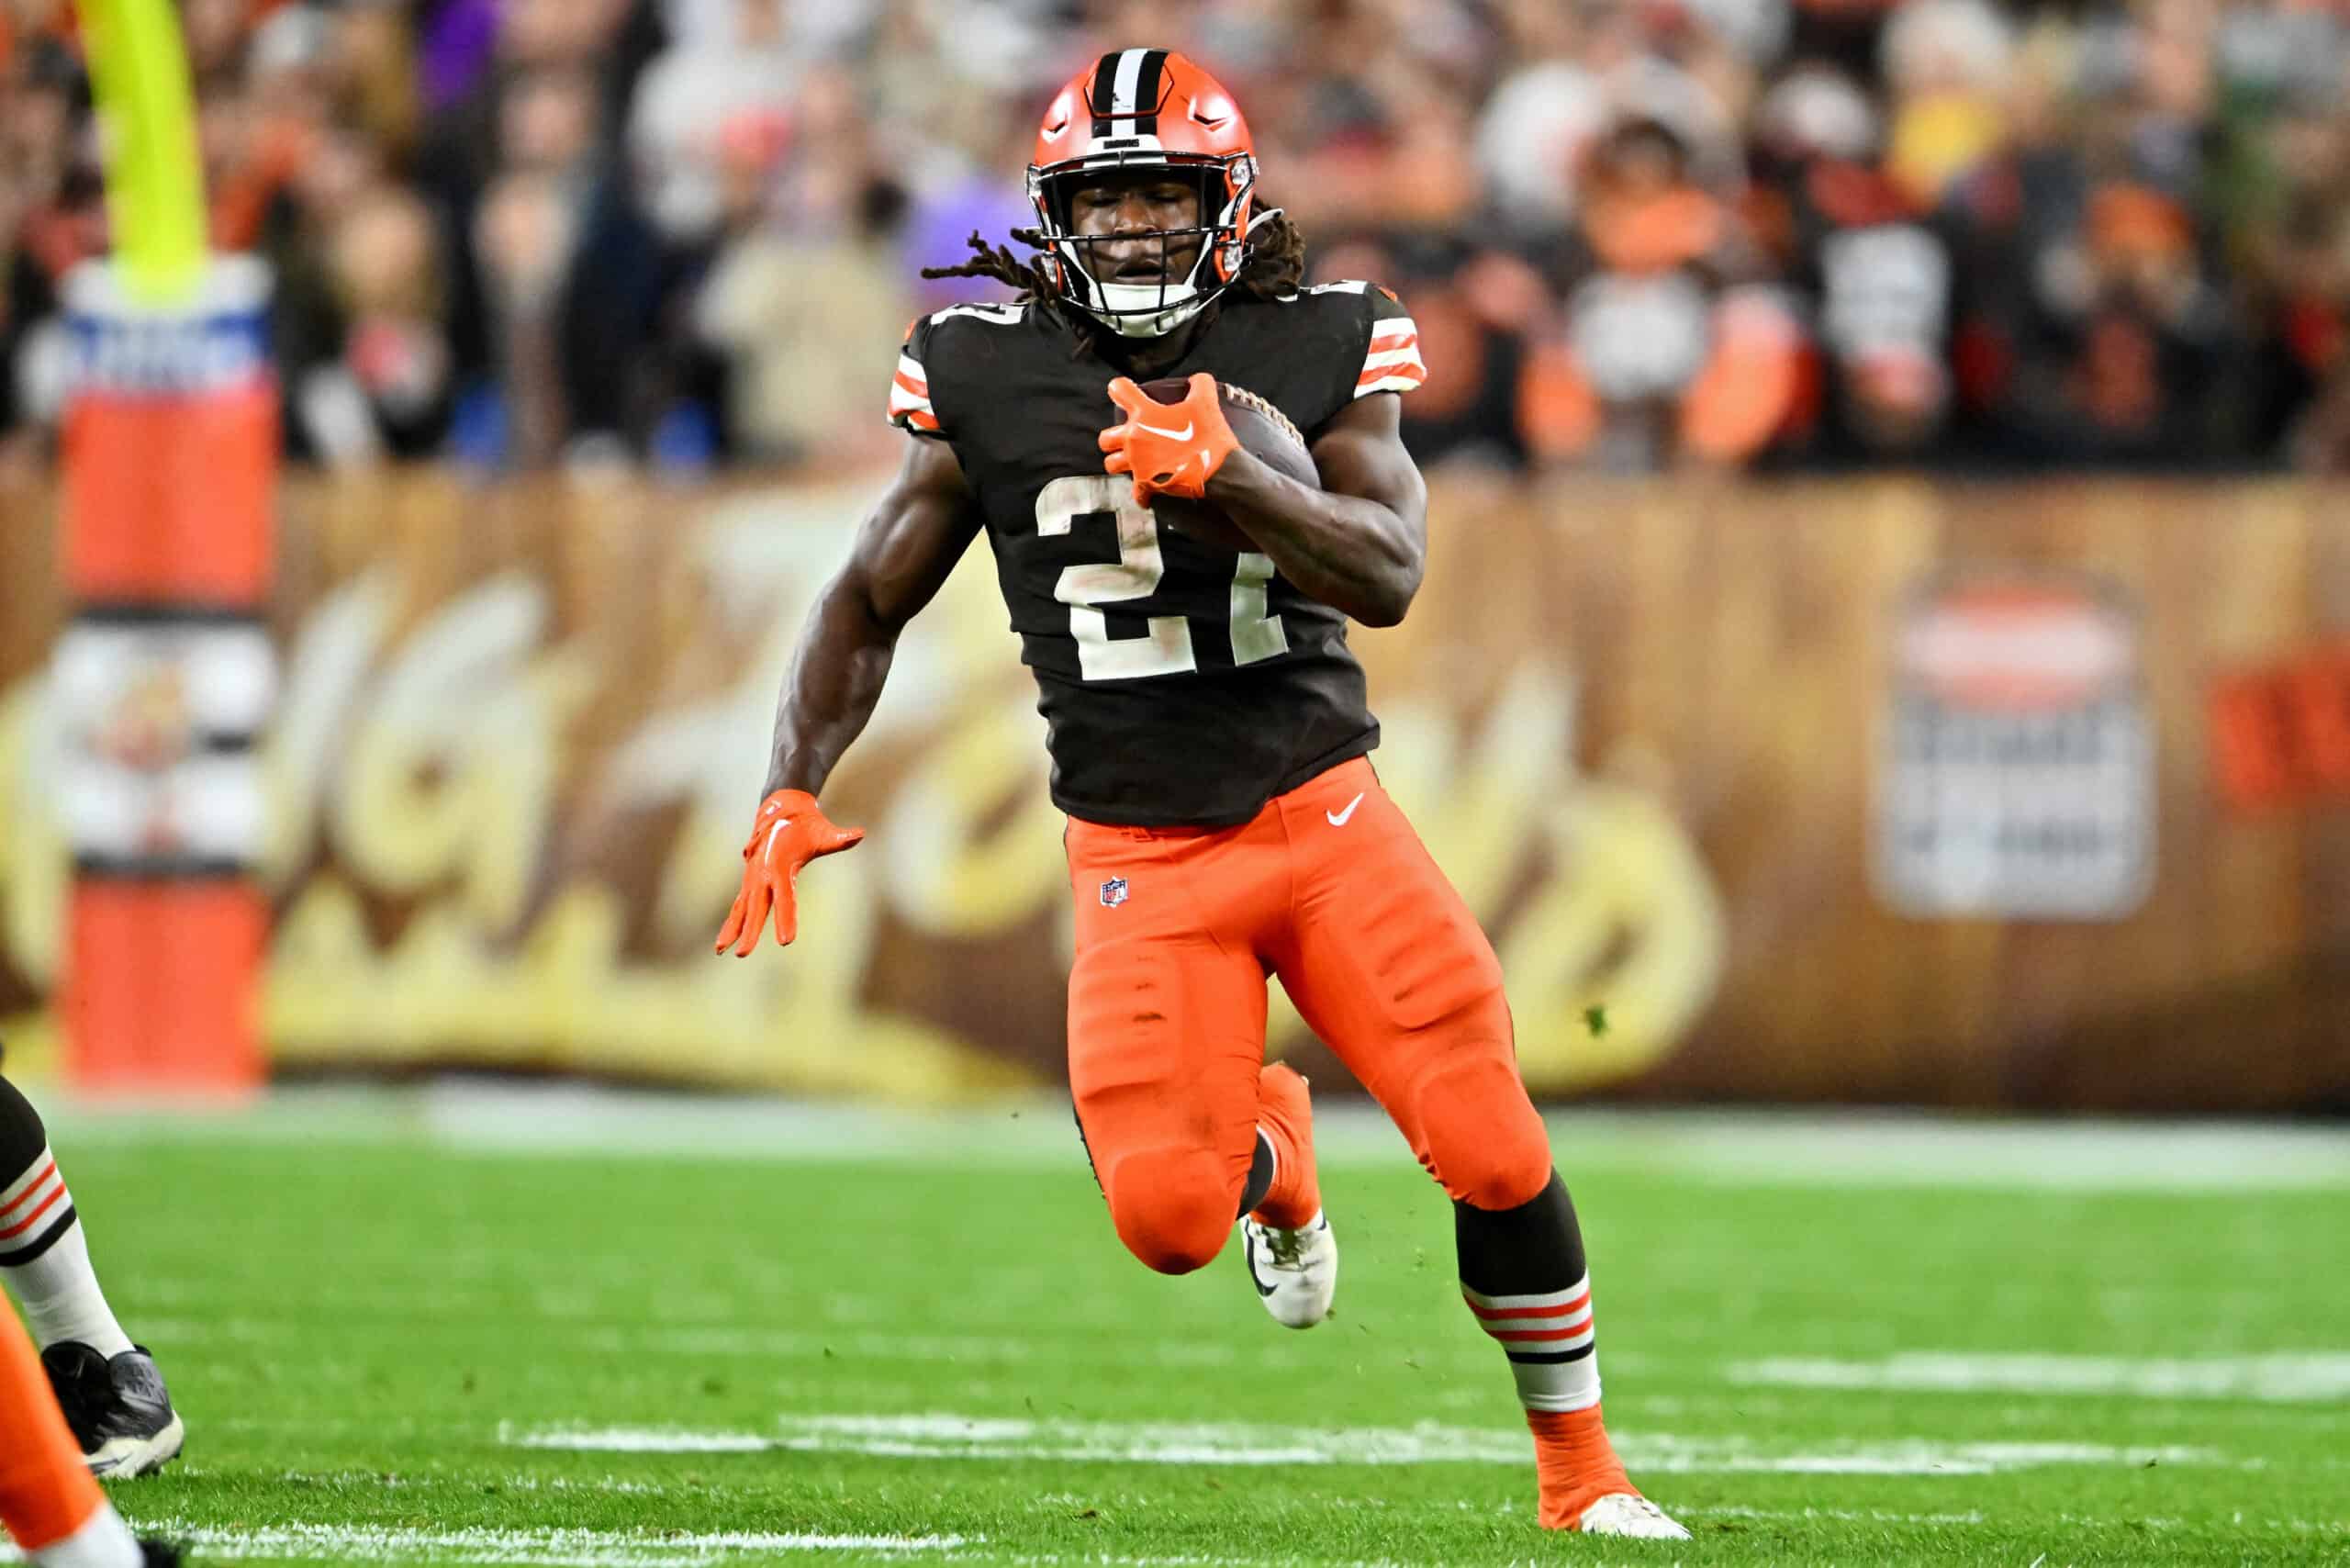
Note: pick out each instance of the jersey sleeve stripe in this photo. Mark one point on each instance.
(1411, 367)
(910, 405)
(1392, 363)
(1398, 380)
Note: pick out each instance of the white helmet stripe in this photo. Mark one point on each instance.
(1122, 86)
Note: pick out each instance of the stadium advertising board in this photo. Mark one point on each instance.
(2016, 777)
(517, 727)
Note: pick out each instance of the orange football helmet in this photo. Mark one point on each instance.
(1146, 109)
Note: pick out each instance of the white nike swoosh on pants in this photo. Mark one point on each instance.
(1339, 819)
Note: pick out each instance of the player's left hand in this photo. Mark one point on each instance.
(790, 831)
(1171, 449)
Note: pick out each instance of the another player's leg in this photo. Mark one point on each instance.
(1388, 966)
(53, 1510)
(114, 1397)
(1166, 1039)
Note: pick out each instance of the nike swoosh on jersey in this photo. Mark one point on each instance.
(1339, 819)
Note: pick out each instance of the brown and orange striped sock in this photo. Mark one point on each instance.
(1523, 1275)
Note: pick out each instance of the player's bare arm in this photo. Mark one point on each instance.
(902, 555)
(1359, 544)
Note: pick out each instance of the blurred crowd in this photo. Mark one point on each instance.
(1635, 233)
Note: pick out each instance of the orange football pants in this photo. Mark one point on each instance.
(1329, 888)
(46, 1492)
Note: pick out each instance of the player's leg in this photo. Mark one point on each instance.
(114, 1397)
(1291, 1251)
(53, 1510)
(1389, 968)
(1166, 1039)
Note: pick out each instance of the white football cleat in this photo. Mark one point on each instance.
(1295, 1271)
(1629, 1514)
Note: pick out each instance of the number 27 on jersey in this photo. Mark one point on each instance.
(1166, 649)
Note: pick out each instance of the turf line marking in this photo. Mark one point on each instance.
(1845, 1516)
(946, 1436)
(1773, 1147)
(376, 1480)
(548, 1547)
(2283, 1379)
(1976, 1516)
(635, 1439)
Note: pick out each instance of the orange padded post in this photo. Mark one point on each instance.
(165, 680)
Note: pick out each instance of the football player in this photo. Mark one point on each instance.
(53, 1508)
(113, 1396)
(1208, 727)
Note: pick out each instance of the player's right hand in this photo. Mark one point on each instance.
(790, 831)
(1166, 460)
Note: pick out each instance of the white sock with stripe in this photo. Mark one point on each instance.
(103, 1541)
(1552, 1347)
(45, 1259)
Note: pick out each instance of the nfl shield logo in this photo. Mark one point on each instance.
(1114, 893)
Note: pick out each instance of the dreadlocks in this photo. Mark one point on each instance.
(997, 262)
(1276, 266)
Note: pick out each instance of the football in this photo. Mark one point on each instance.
(1264, 430)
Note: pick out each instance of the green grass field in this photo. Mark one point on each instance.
(397, 1338)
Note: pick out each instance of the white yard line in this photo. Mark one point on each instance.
(2301, 1377)
(367, 1480)
(1976, 1516)
(534, 1548)
(557, 1548)
(1842, 1515)
(561, 1547)
(944, 1436)
(1766, 1146)
(637, 1439)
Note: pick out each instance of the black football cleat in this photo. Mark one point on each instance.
(119, 1409)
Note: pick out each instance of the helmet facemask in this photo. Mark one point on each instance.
(1140, 307)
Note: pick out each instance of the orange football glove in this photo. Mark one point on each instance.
(789, 831)
(1171, 449)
